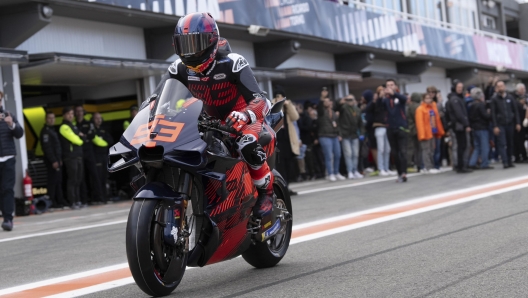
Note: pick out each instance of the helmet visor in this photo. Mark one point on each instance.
(190, 44)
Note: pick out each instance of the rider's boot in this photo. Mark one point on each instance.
(265, 211)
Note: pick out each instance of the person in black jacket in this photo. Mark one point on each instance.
(72, 153)
(457, 119)
(520, 136)
(9, 129)
(49, 141)
(397, 130)
(479, 120)
(101, 151)
(505, 119)
(308, 131)
(91, 176)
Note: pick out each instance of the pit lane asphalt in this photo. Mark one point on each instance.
(473, 249)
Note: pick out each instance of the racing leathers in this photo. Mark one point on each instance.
(229, 90)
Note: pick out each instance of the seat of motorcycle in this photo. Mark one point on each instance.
(264, 138)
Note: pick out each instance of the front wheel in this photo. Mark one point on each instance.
(157, 268)
(268, 254)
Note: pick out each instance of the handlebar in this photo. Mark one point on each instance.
(215, 125)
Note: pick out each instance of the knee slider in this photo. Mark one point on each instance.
(251, 151)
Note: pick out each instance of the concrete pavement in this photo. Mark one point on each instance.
(472, 249)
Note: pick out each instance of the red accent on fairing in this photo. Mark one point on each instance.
(259, 106)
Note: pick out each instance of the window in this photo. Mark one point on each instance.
(489, 22)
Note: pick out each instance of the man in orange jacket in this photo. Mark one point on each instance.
(428, 127)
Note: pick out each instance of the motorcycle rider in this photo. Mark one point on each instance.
(226, 85)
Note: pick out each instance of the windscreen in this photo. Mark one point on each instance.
(172, 98)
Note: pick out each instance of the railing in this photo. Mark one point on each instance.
(432, 22)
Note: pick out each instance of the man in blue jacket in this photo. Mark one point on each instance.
(397, 130)
(9, 129)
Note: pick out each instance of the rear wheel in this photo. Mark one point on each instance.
(268, 254)
(156, 267)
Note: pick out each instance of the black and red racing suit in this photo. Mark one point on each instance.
(229, 85)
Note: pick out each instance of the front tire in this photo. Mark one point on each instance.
(141, 246)
(270, 253)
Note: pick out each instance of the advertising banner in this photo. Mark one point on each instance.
(332, 21)
(499, 53)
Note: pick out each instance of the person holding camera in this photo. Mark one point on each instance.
(10, 129)
(351, 130)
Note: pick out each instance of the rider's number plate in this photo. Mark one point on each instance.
(168, 132)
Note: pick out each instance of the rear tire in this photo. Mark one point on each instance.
(266, 254)
(140, 253)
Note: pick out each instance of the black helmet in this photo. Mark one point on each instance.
(195, 40)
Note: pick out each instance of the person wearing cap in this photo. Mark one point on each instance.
(133, 112)
(101, 152)
(10, 129)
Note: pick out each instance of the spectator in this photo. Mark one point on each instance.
(520, 136)
(397, 131)
(379, 123)
(415, 154)
(287, 140)
(329, 138)
(368, 109)
(458, 122)
(308, 128)
(479, 119)
(301, 164)
(439, 148)
(90, 176)
(429, 128)
(505, 119)
(71, 142)
(133, 112)
(101, 142)
(49, 141)
(9, 129)
(351, 129)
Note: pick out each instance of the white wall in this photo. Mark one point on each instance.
(434, 76)
(116, 89)
(310, 60)
(74, 36)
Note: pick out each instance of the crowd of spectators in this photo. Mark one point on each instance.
(388, 133)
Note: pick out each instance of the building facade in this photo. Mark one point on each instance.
(109, 54)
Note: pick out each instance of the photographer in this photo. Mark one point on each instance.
(9, 129)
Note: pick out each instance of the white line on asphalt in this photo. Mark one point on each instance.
(405, 203)
(57, 280)
(64, 230)
(348, 185)
(71, 218)
(125, 281)
(404, 214)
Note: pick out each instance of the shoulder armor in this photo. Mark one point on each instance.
(173, 68)
(239, 62)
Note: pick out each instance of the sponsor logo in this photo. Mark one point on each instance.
(267, 225)
(274, 229)
(204, 79)
(257, 95)
(239, 64)
(223, 60)
(191, 72)
(219, 76)
(190, 78)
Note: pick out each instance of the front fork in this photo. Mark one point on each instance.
(175, 231)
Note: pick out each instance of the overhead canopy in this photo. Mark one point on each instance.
(8, 57)
(58, 69)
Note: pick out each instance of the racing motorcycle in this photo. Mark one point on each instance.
(194, 196)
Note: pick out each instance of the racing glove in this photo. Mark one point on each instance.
(237, 120)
